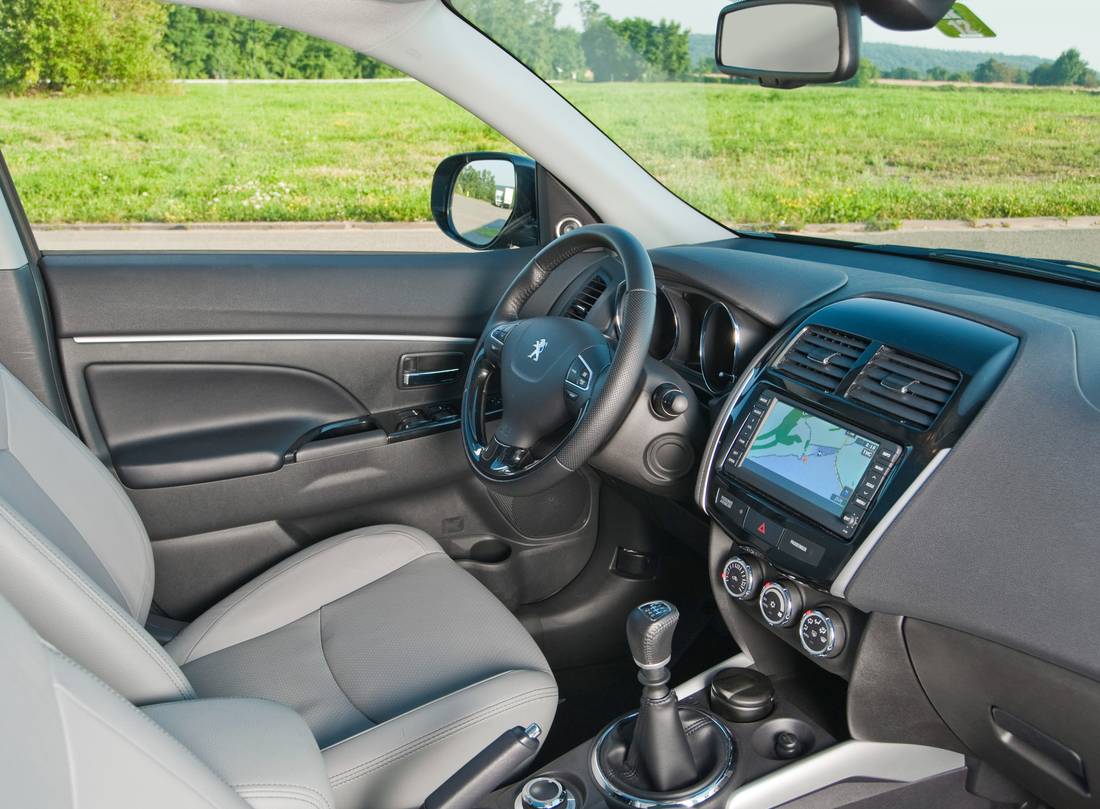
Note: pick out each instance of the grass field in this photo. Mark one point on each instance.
(366, 152)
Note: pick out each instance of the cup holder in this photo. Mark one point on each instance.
(489, 551)
(773, 739)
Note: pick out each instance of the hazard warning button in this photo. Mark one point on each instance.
(762, 528)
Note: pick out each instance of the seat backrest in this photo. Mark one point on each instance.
(69, 742)
(74, 556)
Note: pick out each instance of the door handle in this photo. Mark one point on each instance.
(425, 370)
(412, 379)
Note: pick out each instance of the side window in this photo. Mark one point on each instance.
(207, 131)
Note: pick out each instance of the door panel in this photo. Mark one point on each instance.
(440, 294)
(198, 375)
(163, 428)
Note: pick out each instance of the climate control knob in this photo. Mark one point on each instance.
(741, 577)
(780, 603)
(822, 632)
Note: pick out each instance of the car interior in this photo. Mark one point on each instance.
(522, 527)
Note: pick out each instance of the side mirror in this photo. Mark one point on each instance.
(486, 200)
(788, 43)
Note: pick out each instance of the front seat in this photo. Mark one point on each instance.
(68, 742)
(401, 663)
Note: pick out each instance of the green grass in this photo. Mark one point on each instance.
(366, 152)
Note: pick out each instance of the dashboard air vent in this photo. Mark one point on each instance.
(586, 298)
(902, 386)
(821, 357)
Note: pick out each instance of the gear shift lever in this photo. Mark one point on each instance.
(649, 630)
(659, 749)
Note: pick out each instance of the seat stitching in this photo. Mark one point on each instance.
(68, 520)
(331, 673)
(284, 788)
(304, 556)
(247, 591)
(425, 706)
(461, 720)
(133, 708)
(428, 740)
(447, 731)
(150, 721)
(284, 795)
(124, 501)
(183, 687)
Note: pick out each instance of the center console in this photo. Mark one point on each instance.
(690, 747)
(822, 443)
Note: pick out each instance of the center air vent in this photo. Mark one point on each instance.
(902, 386)
(822, 357)
(586, 298)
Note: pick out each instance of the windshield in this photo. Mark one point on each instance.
(988, 144)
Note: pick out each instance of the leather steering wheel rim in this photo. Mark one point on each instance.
(612, 390)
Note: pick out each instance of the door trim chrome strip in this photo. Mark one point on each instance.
(283, 337)
(851, 567)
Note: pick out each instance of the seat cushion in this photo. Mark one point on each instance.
(403, 665)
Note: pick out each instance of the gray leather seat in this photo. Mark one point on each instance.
(69, 741)
(401, 663)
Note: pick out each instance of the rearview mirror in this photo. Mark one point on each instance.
(485, 200)
(788, 43)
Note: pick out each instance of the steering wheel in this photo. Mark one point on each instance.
(564, 391)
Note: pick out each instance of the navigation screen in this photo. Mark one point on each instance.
(809, 456)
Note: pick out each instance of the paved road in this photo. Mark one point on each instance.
(470, 216)
(1081, 243)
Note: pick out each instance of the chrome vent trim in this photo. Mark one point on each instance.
(906, 388)
(821, 358)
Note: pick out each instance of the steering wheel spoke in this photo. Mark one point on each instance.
(563, 388)
(499, 459)
(580, 381)
(497, 337)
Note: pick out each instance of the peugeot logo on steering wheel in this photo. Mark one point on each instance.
(539, 347)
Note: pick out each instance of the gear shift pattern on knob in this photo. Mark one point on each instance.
(649, 631)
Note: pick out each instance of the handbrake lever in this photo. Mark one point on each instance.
(505, 756)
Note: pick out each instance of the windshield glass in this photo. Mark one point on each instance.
(989, 144)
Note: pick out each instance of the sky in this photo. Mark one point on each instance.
(1026, 27)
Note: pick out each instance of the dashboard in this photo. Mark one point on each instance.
(898, 462)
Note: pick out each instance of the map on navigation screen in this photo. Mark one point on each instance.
(815, 459)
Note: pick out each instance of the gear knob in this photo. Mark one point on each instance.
(649, 630)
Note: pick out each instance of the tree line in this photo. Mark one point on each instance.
(1068, 70)
(81, 45)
